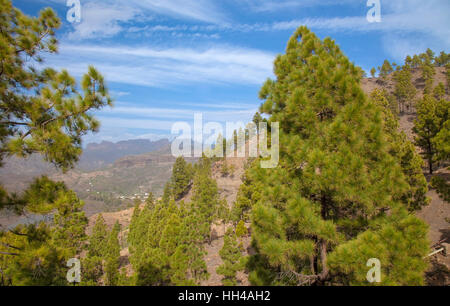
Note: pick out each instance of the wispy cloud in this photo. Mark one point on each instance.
(202, 10)
(277, 5)
(155, 67)
(183, 114)
(111, 17)
(102, 20)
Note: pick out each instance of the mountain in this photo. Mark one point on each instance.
(108, 175)
(120, 183)
(98, 155)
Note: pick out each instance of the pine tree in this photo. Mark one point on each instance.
(337, 177)
(150, 201)
(416, 62)
(28, 257)
(373, 71)
(42, 111)
(401, 148)
(409, 61)
(98, 238)
(91, 271)
(166, 240)
(399, 242)
(404, 90)
(257, 118)
(447, 69)
(428, 70)
(181, 178)
(70, 222)
(241, 230)
(37, 254)
(439, 91)
(442, 142)
(112, 257)
(232, 259)
(385, 70)
(443, 59)
(431, 116)
(46, 104)
(167, 193)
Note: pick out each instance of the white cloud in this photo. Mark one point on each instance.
(183, 114)
(109, 17)
(202, 10)
(102, 20)
(276, 5)
(154, 67)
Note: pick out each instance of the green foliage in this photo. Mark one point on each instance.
(45, 112)
(337, 175)
(241, 230)
(439, 91)
(442, 187)
(232, 259)
(98, 238)
(442, 142)
(112, 257)
(37, 254)
(431, 118)
(167, 193)
(447, 69)
(69, 224)
(385, 70)
(373, 71)
(150, 201)
(257, 118)
(398, 242)
(404, 90)
(443, 59)
(166, 240)
(181, 178)
(401, 148)
(42, 111)
(91, 271)
(31, 259)
(224, 170)
(102, 263)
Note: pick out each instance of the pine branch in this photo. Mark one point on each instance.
(10, 254)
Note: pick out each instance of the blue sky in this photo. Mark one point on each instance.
(165, 60)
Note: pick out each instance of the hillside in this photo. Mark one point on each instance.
(228, 188)
(435, 215)
(100, 155)
(119, 172)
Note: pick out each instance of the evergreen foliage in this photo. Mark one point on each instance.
(112, 257)
(166, 240)
(181, 177)
(432, 116)
(337, 177)
(232, 259)
(404, 90)
(42, 112)
(385, 70)
(401, 148)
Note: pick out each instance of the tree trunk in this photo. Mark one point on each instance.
(311, 264)
(430, 157)
(323, 259)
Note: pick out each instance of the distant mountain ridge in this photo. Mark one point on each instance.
(17, 173)
(98, 155)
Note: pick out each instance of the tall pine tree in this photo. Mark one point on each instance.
(337, 178)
